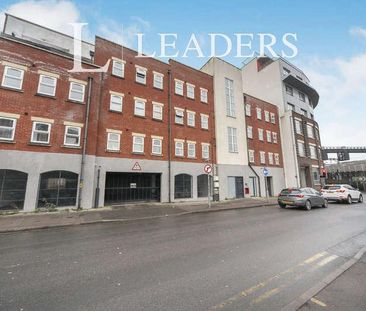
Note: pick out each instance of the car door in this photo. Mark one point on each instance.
(351, 191)
(355, 193)
(311, 196)
(318, 200)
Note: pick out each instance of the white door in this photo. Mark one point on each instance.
(231, 191)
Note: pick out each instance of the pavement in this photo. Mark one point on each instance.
(26, 221)
(260, 258)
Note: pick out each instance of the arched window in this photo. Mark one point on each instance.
(58, 188)
(202, 189)
(12, 189)
(182, 186)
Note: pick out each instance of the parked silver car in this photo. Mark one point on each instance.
(302, 197)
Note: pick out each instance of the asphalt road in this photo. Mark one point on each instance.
(251, 259)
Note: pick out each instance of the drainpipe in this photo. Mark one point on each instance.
(169, 136)
(85, 140)
(294, 153)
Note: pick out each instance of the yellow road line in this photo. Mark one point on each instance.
(327, 260)
(318, 302)
(266, 295)
(315, 257)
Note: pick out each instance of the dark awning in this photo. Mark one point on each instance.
(303, 87)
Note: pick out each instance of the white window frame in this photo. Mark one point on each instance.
(82, 92)
(262, 157)
(135, 143)
(259, 113)
(34, 131)
(139, 111)
(190, 90)
(191, 118)
(251, 156)
(67, 127)
(204, 95)
(205, 150)
(277, 158)
(158, 80)
(269, 136)
(114, 105)
(250, 131)
(260, 134)
(298, 127)
(270, 158)
(248, 110)
(6, 74)
(179, 115)
(204, 121)
(302, 149)
(232, 140)
(191, 149)
(289, 90)
(141, 71)
(266, 116)
(274, 137)
(109, 141)
(273, 118)
(310, 131)
(179, 146)
(122, 69)
(179, 87)
(302, 96)
(13, 128)
(229, 98)
(313, 152)
(157, 111)
(54, 85)
(157, 143)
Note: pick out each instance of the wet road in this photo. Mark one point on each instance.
(251, 259)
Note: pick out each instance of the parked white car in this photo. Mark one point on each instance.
(342, 193)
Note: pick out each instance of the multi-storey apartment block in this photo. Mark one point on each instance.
(284, 85)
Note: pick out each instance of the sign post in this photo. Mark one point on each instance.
(265, 174)
(208, 169)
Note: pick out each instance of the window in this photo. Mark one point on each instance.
(251, 156)
(191, 149)
(248, 110)
(273, 118)
(313, 154)
(77, 91)
(47, 85)
(290, 107)
(158, 111)
(204, 121)
(205, 151)
(270, 158)
(260, 134)
(204, 185)
(13, 186)
(310, 131)
(116, 102)
(158, 80)
(7, 128)
(298, 126)
(269, 136)
(266, 116)
(304, 112)
(13, 78)
(262, 156)
(191, 116)
(301, 148)
(179, 116)
(311, 116)
(157, 146)
(141, 75)
(190, 91)
(182, 186)
(139, 108)
(259, 113)
(250, 131)
(118, 68)
(41, 132)
(289, 90)
(179, 148)
(277, 158)
(316, 176)
(274, 137)
(138, 143)
(72, 136)
(113, 141)
(286, 71)
(203, 95)
(301, 96)
(229, 95)
(179, 87)
(232, 139)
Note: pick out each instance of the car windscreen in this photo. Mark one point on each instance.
(332, 187)
(290, 191)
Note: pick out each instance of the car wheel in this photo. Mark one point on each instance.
(360, 199)
(349, 200)
(325, 205)
(308, 205)
(282, 205)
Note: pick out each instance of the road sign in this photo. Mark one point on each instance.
(207, 168)
(265, 171)
(136, 167)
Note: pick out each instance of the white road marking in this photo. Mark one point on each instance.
(327, 260)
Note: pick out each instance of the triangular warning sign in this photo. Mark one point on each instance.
(136, 167)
